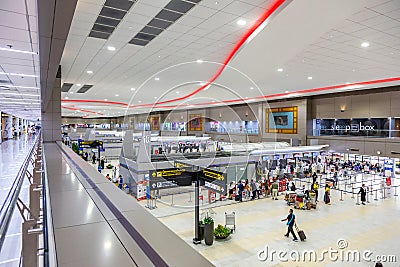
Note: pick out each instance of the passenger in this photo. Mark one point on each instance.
(94, 158)
(292, 187)
(275, 187)
(315, 190)
(120, 182)
(327, 198)
(231, 189)
(363, 192)
(314, 178)
(253, 189)
(247, 188)
(240, 189)
(108, 177)
(290, 222)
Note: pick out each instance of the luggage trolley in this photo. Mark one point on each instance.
(230, 221)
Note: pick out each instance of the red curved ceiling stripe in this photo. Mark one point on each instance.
(94, 101)
(271, 9)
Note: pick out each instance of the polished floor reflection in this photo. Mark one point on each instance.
(12, 154)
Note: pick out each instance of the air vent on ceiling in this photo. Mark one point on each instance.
(84, 88)
(395, 152)
(110, 16)
(173, 11)
(354, 149)
(5, 82)
(66, 86)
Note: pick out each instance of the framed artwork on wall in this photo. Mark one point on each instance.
(154, 123)
(281, 120)
(195, 122)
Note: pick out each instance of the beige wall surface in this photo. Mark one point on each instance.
(374, 105)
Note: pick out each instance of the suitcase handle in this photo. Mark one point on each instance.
(297, 228)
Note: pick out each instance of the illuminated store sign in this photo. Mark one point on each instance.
(353, 127)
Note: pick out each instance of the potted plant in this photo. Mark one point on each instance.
(221, 232)
(208, 230)
(109, 166)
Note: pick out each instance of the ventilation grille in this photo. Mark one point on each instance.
(66, 86)
(173, 11)
(110, 16)
(84, 88)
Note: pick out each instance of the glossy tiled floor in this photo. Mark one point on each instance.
(371, 227)
(12, 154)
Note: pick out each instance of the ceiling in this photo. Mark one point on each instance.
(19, 60)
(315, 45)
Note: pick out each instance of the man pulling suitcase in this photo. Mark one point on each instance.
(290, 222)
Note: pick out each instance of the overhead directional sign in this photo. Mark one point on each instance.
(214, 180)
(160, 183)
(186, 166)
(166, 173)
(90, 144)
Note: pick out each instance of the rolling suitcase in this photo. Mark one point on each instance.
(301, 233)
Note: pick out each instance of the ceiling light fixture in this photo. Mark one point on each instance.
(78, 84)
(18, 74)
(241, 22)
(309, 77)
(140, 101)
(251, 88)
(156, 78)
(89, 72)
(18, 51)
(364, 44)
(71, 93)
(105, 99)
(199, 61)
(133, 89)
(280, 69)
(116, 94)
(110, 48)
(66, 97)
(286, 92)
(177, 92)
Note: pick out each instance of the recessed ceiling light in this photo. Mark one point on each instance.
(280, 69)
(216, 2)
(251, 88)
(140, 101)
(66, 97)
(155, 97)
(156, 78)
(110, 48)
(116, 94)
(71, 93)
(78, 84)
(286, 92)
(89, 72)
(199, 61)
(177, 92)
(309, 77)
(105, 99)
(241, 22)
(364, 44)
(133, 89)
(18, 51)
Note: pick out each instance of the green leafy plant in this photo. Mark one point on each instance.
(109, 166)
(75, 147)
(201, 223)
(221, 231)
(208, 220)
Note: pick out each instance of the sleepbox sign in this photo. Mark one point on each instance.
(353, 127)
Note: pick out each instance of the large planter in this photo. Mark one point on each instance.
(209, 233)
(201, 232)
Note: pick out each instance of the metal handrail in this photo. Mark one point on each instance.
(7, 209)
(50, 252)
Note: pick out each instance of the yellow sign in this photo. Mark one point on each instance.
(213, 175)
(167, 173)
(180, 165)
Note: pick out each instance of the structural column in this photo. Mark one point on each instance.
(8, 131)
(16, 126)
(51, 115)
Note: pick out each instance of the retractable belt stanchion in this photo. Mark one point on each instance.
(367, 195)
(376, 195)
(358, 199)
(371, 187)
(352, 191)
(395, 191)
(341, 195)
